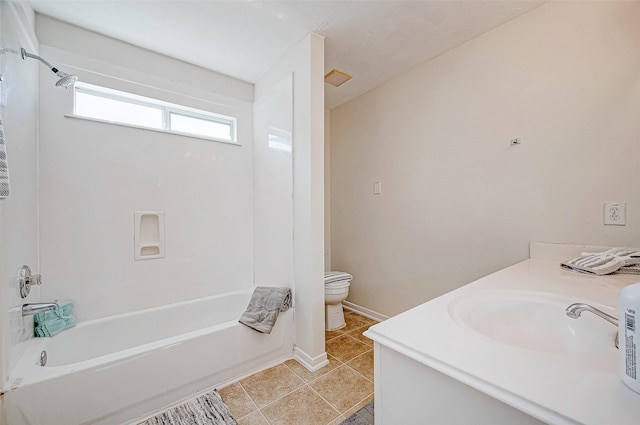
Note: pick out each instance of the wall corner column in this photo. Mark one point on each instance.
(308, 207)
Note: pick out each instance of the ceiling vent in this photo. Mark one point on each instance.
(336, 78)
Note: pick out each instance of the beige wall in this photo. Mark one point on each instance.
(327, 190)
(458, 202)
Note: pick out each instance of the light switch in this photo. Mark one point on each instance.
(377, 188)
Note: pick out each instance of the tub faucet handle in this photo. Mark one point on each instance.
(26, 280)
(34, 279)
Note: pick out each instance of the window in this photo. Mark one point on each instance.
(119, 107)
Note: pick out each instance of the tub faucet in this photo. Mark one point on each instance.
(575, 310)
(29, 309)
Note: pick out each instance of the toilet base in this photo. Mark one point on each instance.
(334, 317)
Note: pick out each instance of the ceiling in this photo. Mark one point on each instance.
(373, 41)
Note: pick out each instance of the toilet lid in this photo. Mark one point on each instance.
(338, 285)
(330, 277)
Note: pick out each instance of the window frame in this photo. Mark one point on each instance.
(166, 108)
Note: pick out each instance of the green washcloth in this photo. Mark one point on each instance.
(54, 326)
(65, 308)
(50, 323)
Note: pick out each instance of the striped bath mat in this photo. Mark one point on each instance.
(208, 409)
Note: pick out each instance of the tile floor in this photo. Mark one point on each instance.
(288, 394)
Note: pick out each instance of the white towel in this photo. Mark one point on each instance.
(615, 260)
(4, 166)
(595, 264)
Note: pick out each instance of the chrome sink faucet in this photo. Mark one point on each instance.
(575, 310)
(29, 309)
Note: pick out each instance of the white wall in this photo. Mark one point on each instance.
(459, 202)
(327, 190)
(306, 61)
(94, 176)
(18, 213)
(91, 45)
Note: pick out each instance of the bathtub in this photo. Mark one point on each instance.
(119, 369)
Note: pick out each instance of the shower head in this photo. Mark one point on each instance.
(65, 80)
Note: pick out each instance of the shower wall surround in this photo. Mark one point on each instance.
(79, 184)
(273, 183)
(234, 215)
(95, 176)
(18, 213)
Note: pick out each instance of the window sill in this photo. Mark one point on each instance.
(158, 130)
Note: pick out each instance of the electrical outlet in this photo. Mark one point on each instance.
(615, 213)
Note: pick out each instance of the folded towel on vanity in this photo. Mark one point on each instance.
(4, 167)
(629, 270)
(265, 305)
(614, 260)
(50, 323)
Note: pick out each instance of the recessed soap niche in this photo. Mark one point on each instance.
(149, 235)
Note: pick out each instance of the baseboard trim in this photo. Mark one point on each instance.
(311, 363)
(364, 311)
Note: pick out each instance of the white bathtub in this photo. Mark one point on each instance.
(118, 369)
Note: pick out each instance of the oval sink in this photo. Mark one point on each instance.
(533, 320)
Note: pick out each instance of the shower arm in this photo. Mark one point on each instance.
(65, 79)
(26, 55)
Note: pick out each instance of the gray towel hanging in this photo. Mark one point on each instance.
(4, 166)
(265, 305)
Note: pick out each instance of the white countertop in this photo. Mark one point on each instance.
(556, 387)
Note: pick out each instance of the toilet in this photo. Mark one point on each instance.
(336, 289)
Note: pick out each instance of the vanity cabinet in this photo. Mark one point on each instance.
(501, 350)
(410, 393)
